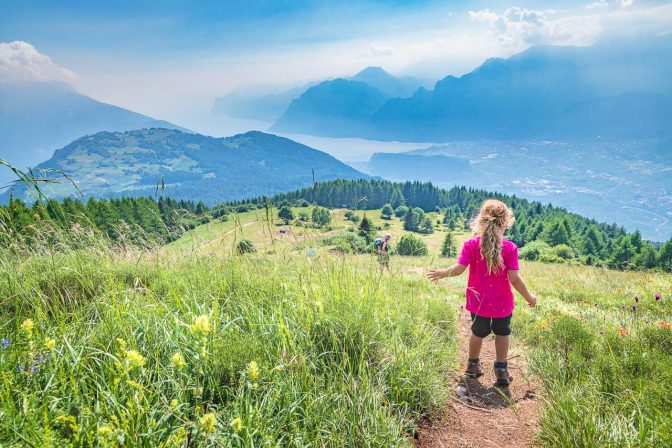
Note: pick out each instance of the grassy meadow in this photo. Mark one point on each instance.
(297, 345)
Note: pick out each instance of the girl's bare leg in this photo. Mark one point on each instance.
(501, 348)
(475, 344)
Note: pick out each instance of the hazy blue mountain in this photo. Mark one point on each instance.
(390, 85)
(627, 182)
(539, 93)
(532, 93)
(335, 108)
(268, 104)
(247, 104)
(191, 166)
(38, 117)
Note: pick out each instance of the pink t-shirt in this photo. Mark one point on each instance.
(488, 295)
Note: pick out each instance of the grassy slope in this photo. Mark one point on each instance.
(611, 384)
(347, 357)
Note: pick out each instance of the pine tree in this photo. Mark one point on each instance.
(665, 256)
(366, 229)
(557, 234)
(449, 246)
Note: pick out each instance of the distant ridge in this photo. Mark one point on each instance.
(188, 166)
(539, 93)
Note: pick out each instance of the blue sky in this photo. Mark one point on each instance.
(169, 58)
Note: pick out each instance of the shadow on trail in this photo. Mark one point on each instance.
(472, 392)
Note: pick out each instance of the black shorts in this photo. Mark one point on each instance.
(482, 326)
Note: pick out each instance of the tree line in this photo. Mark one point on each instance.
(550, 233)
(160, 220)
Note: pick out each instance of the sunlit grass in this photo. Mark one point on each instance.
(148, 350)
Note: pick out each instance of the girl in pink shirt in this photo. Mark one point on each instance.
(493, 269)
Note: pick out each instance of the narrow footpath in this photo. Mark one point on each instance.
(480, 415)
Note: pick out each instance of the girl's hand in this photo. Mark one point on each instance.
(434, 275)
(532, 302)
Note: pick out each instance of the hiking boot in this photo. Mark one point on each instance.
(474, 369)
(503, 377)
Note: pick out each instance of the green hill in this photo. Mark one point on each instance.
(188, 166)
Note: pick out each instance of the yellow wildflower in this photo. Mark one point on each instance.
(105, 431)
(178, 361)
(135, 359)
(201, 325)
(50, 343)
(253, 370)
(27, 327)
(134, 384)
(174, 404)
(237, 424)
(207, 422)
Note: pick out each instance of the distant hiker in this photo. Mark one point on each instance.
(382, 247)
(493, 268)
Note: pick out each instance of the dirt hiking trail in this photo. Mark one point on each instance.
(478, 414)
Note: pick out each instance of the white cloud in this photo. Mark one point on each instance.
(601, 4)
(379, 50)
(626, 3)
(20, 61)
(520, 27)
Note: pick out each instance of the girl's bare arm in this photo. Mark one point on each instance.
(518, 283)
(434, 275)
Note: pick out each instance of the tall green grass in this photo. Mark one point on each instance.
(135, 349)
(604, 358)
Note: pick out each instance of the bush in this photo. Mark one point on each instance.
(534, 250)
(387, 211)
(411, 245)
(348, 242)
(563, 251)
(550, 257)
(245, 246)
(321, 216)
(401, 211)
(286, 214)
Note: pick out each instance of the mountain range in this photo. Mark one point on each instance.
(38, 117)
(186, 166)
(269, 106)
(615, 89)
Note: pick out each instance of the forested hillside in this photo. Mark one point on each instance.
(545, 232)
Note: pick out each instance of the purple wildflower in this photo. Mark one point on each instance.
(40, 358)
(636, 298)
(634, 307)
(4, 343)
(623, 306)
(20, 368)
(658, 297)
(34, 369)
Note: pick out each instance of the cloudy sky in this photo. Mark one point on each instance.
(170, 58)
